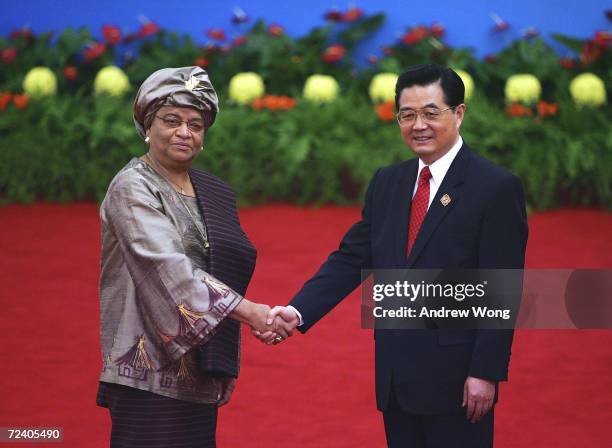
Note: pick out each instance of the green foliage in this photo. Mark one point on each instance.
(64, 148)
(69, 147)
(312, 153)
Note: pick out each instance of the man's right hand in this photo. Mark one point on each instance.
(256, 315)
(284, 320)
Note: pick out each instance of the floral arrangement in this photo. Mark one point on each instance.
(303, 103)
(321, 88)
(111, 80)
(468, 83)
(382, 87)
(40, 82)
(588, 89)
(245, 87)
(523, 88)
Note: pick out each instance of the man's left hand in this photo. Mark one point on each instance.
(478, 395)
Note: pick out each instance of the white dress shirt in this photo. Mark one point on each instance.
(438, 170)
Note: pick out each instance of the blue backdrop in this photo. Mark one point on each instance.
(467, 23)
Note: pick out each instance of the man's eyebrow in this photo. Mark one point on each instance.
(427, 105)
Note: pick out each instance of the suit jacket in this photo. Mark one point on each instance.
(484, 226)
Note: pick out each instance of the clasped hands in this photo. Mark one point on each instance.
(273, 325)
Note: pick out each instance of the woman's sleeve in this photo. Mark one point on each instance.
(179, 303)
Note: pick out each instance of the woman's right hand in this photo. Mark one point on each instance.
(256, 315)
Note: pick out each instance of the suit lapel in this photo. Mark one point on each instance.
(451, 186)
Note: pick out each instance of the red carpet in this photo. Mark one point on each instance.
(313, 391)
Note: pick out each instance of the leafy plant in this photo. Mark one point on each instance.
(69, 146)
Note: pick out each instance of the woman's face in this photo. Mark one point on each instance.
(176, 136)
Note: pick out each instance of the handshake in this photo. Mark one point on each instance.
(269, 325)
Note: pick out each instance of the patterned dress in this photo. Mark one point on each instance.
(158, 302)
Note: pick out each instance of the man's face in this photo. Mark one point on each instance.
(429, 136)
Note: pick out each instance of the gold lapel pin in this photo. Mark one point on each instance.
(191, 83)
(445, 200)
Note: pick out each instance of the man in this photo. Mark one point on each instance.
(446, 208)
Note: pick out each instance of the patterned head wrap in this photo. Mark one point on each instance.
(178, 87)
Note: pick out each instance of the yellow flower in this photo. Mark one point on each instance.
(382, 87)
(468, 83)
(39, 82)
(245, 87)
(321, 88)
(523, 88)
(111, 80)
(588, 89)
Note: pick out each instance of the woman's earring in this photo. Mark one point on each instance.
(147, 139)
(202, 148)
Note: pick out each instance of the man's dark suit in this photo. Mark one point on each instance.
(484, 226)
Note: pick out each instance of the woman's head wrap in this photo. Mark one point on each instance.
(177, 87)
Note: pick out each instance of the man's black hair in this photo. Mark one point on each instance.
(426, 74)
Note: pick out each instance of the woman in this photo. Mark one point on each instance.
(175, 265)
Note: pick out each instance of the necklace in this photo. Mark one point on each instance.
(164, 173)
(204, 233)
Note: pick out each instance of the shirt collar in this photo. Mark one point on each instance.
(439, 168)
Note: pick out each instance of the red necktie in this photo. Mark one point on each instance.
(420, 203)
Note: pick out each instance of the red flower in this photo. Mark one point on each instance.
(372, 59)
(275, 30)
(258, 104)
(216, 34)
(148, 29)
(25, 34)
(333, 53)
(201, 62)
(416, 35)
(240, 40)
(491, 58)
(21, 101)
(567, 63)
(5, 100)
(545, 109)
(286, 103)
(94, 52)
(387, 51)
(518, 110)
(386, 111)
(531, 32)
(71, 73)
(8, 55)
(602, 38)
(437, 29)
(273, 102)
(591, 52)
(352, 15)
(112, 34)
(333, 15)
